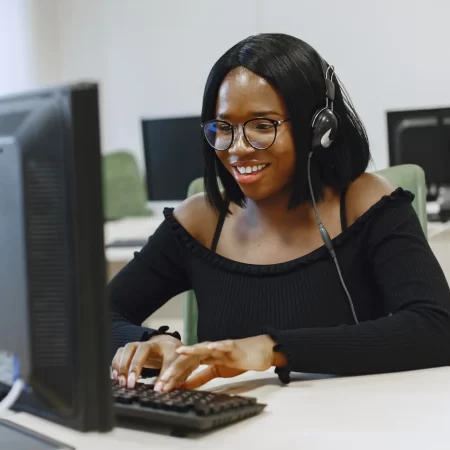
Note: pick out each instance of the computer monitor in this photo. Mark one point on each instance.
(173, 156)
(422, 137)
(54, 314)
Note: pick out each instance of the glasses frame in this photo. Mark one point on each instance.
(275, 123)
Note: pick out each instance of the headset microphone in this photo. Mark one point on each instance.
(324, 127)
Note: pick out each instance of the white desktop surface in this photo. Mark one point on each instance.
(409, 410)
(128, 228)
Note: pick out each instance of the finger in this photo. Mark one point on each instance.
(115, 363)
(153, 362)
(125, 360)
(168, 359)
(201, 378)
(179, 379)
(204, 353)
(224, 346)
(215, 360)
(172, 370)
(205, 347)
(197, 349)
(138, 361)
(177, 373)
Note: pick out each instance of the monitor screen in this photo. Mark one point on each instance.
(55, 317)
(421, 137)
(173, 156)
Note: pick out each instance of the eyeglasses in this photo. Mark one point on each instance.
(260, 133)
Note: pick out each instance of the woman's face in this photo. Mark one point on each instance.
(244, 95)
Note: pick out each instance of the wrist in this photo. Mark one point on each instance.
(160, 333)
(166, 338)
(279, 359)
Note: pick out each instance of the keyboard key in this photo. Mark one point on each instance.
(204, 409)
(124, 400)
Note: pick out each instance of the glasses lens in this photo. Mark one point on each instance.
(219, 134)
(260, 133)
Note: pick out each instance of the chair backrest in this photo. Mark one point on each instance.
(411, 178)
(190, 302)
(123, 187)
(195, 187)
(408, 176)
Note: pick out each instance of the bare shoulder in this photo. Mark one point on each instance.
(365, 192)
(197, 217)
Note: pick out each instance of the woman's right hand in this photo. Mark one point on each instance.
(159, 352)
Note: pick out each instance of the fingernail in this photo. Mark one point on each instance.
(158, 386)
(122, 381)
(131, 380)
(115, 374)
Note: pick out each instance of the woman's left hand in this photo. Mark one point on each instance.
(225, 359)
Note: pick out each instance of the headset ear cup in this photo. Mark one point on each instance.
(324, 128)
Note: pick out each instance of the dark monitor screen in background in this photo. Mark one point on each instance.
(173, 156)
(421, 137)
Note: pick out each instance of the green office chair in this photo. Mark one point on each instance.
(123, 187)
(190, 302)
(411, 178)
(408, 176)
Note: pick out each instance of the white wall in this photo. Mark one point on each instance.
(390, 54)
(152, 56)
(17, 72)
(29, 45)
(44, 35)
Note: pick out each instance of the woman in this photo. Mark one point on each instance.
(268, 290)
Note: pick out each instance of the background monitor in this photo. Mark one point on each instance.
(54, 314)
(421, 137)
(173, 156)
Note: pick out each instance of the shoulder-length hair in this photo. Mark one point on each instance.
(296, 71)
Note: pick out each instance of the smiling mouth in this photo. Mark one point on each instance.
(250, 169)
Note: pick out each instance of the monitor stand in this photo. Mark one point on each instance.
(441, 205)
(444, 203)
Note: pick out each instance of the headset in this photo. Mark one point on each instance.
(324, 128)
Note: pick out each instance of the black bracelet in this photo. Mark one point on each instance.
(284, 374)
(147, 335)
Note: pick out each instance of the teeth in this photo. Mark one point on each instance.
(249, 169)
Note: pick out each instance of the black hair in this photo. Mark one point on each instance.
(295, 70)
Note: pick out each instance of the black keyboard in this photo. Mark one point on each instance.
(182, 410)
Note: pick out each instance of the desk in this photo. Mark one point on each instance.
(409, 410)
(171, 314)
(129, 228)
